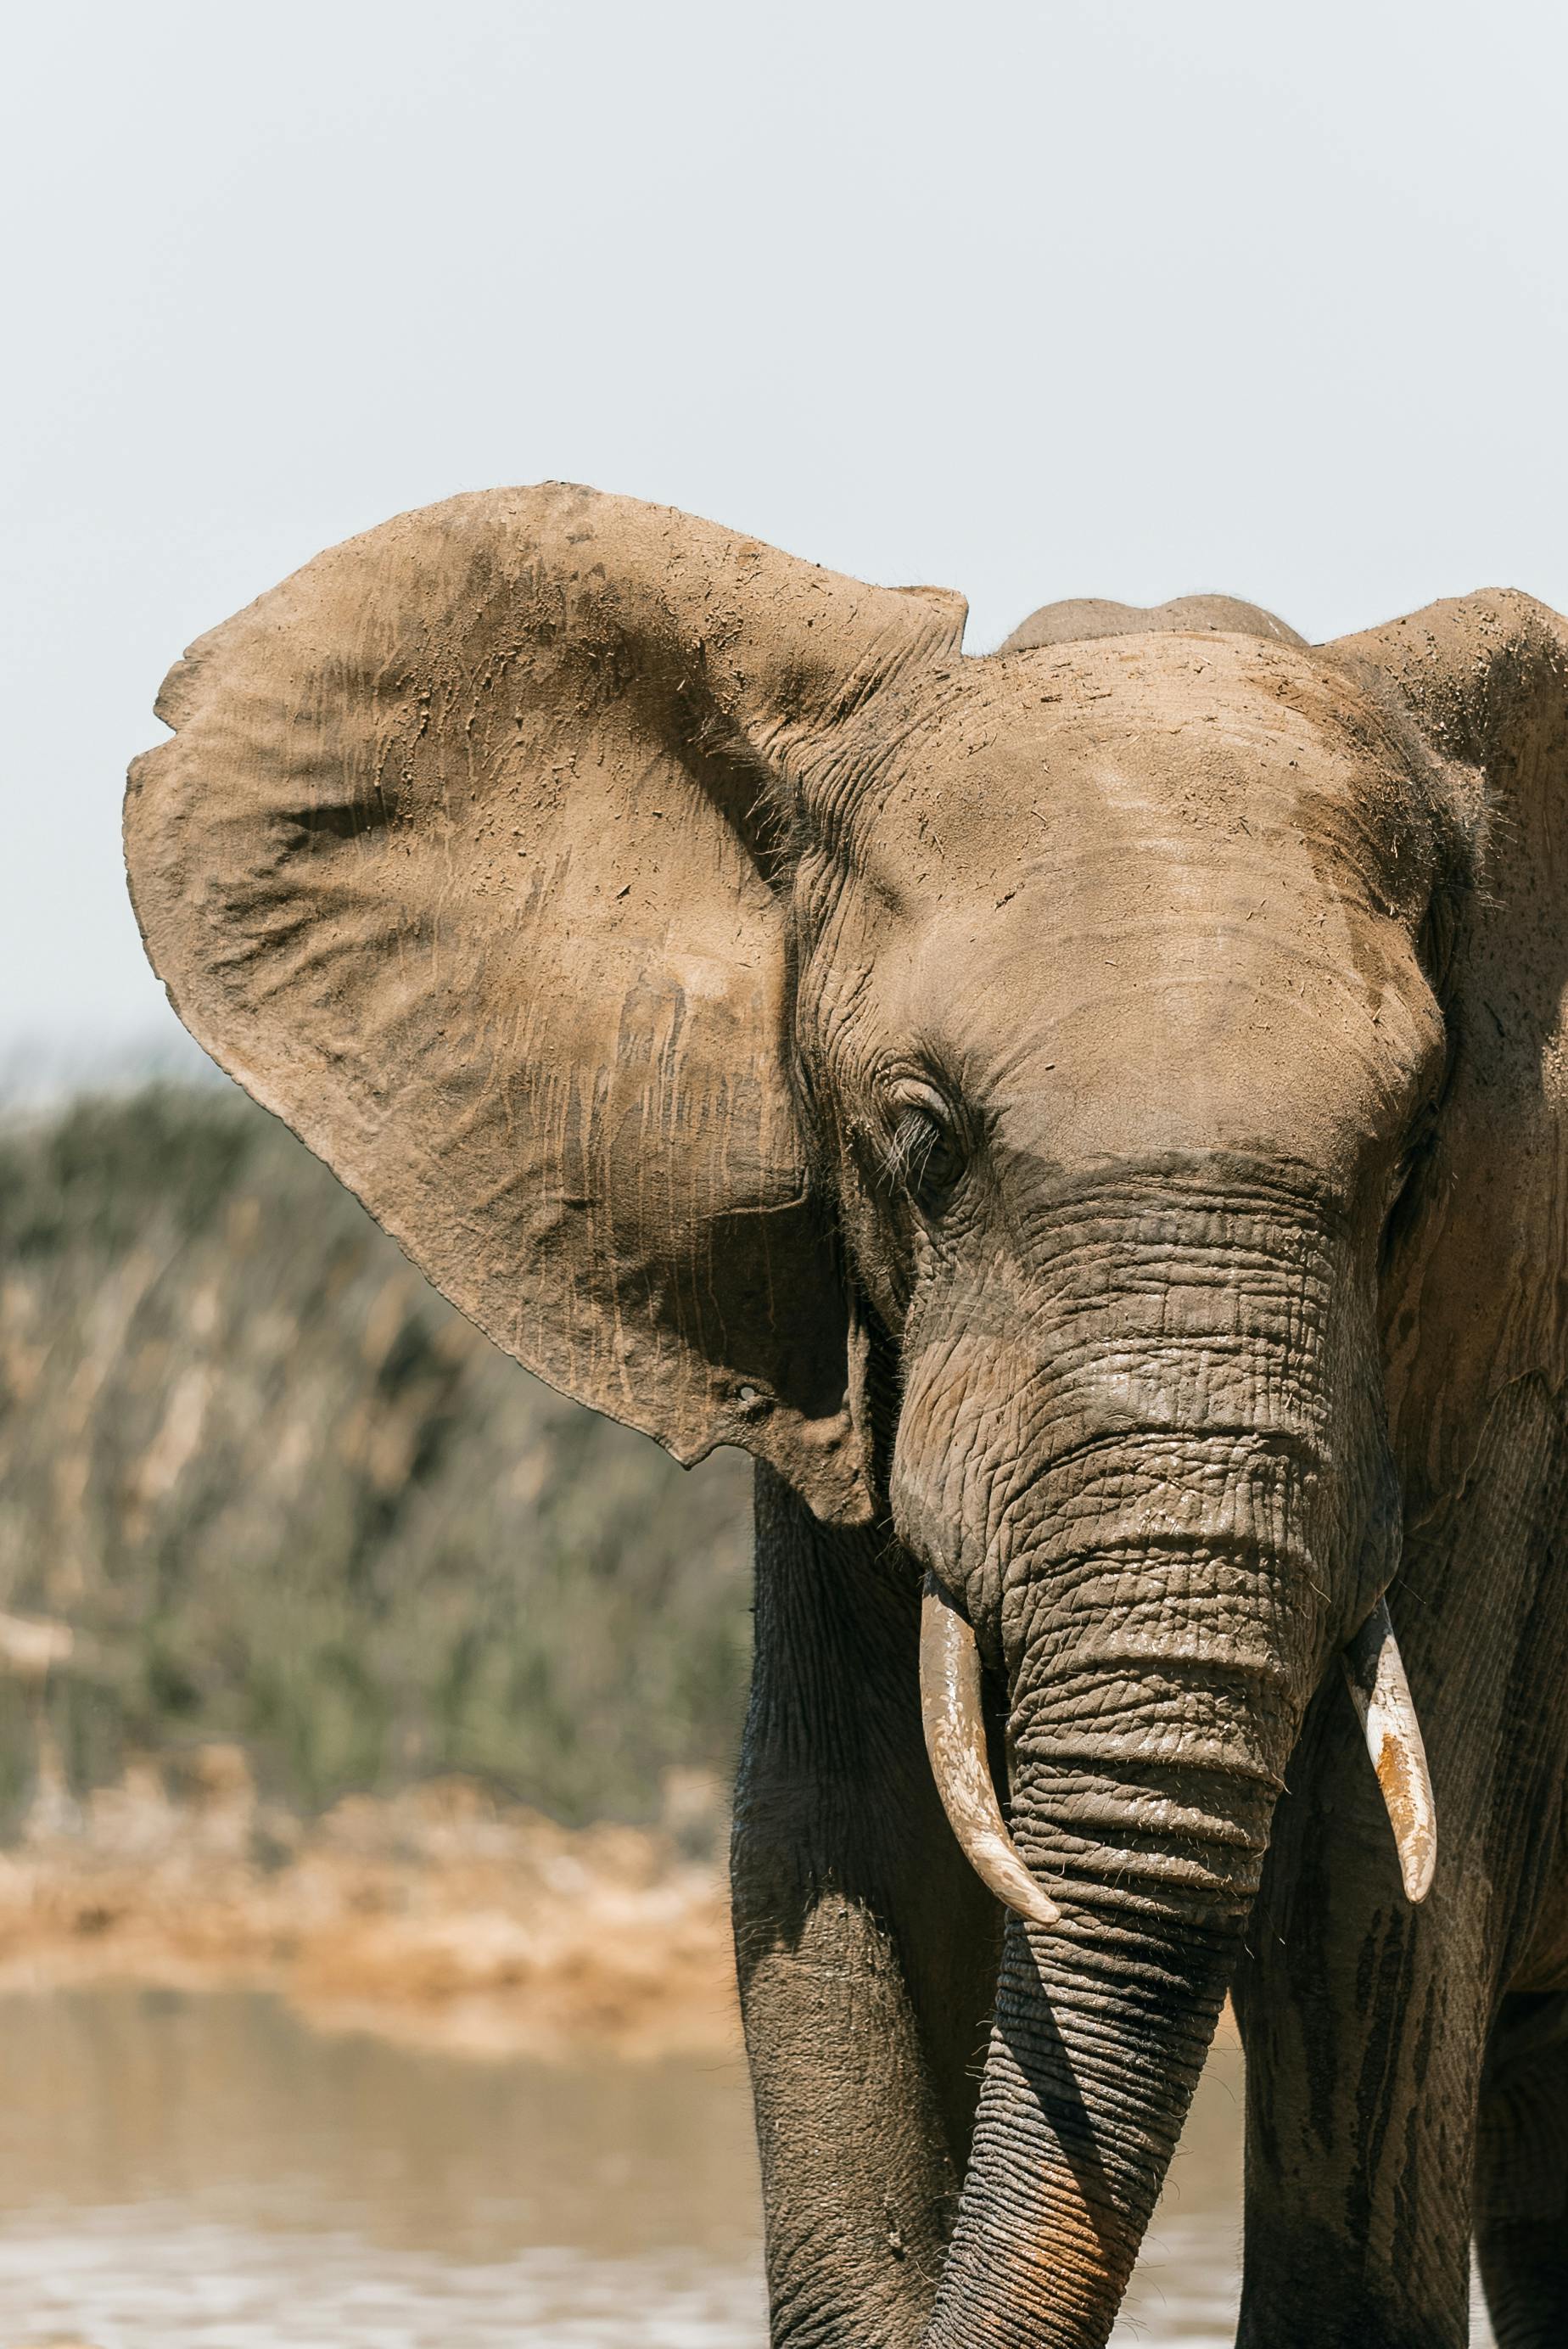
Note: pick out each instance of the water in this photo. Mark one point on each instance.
(206, 2172)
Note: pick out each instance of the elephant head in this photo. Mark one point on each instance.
(1096, 1105)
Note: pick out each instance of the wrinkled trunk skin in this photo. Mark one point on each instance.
(1100, 2033)
(1188, 1451)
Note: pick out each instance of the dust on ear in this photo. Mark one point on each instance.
(437, 868)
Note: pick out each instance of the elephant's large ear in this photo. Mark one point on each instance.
(460, 860)
(1477, 1288)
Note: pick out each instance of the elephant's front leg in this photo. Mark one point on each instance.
(1522, 2218)
(866, 1948)
(1365, 2023)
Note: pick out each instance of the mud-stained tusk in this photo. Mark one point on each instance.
(955, 1720)
(1381, 1695)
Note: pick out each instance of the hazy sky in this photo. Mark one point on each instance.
(1124, 298)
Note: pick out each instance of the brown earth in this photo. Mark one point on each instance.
(444, 1914)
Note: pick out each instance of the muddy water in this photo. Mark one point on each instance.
(206, 2172)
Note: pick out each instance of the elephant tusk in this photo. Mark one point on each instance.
(955, 1723)
(1381, 1695)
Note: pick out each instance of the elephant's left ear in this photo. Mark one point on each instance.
(1476, 1285)
(465, 859)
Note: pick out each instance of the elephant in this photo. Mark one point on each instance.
(1091, 1120)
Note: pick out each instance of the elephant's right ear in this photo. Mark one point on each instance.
(1476, 1293)
(461, 860)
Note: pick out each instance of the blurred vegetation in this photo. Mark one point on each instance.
(284, 1494)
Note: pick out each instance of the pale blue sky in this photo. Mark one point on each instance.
(1123, 297)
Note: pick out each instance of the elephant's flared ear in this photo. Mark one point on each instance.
(1477, 1294)
(460, 861)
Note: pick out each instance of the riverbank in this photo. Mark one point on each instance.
(445, 1915)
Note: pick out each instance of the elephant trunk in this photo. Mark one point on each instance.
(1201, 1456)
(1102, 2022)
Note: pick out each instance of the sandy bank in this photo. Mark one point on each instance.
(444, 1914)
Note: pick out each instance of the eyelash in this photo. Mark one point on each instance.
(926, 1157)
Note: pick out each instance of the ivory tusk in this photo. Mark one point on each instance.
(955, 1722)
(1381, 1695)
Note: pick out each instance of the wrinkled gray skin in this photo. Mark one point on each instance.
(1173, 1025)
(1165, 1512)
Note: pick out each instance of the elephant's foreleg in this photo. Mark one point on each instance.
(1365, 2020)
(1364, 2023)
(866, 1948)
(1521, 2180)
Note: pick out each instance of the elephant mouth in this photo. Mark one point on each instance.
(952, 1715)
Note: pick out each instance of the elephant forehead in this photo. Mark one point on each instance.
(1188, 761)
(1172, 1033)
(1158, 895)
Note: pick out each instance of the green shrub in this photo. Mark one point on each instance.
(285, 1494)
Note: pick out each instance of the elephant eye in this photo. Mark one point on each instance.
(1406, 1188)
(926, 1153)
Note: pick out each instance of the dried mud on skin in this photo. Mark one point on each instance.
(443, 1915)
